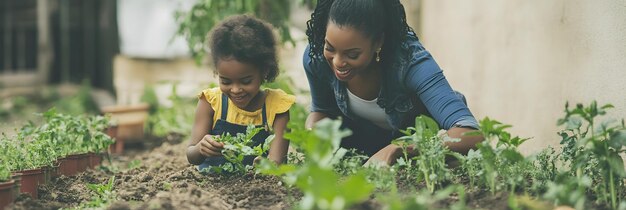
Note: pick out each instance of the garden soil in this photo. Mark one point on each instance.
(158, 176)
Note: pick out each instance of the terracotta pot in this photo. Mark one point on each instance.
(68, 165)
(112, 131)
(46, 175)
(95, 159)
(118, 146)
(7, 194)
(83, 162)
(54, 170)
(31, 180)
(17, 178)
(130, 121)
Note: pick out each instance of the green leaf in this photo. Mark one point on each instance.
(356, 188)
(617, 139)
(617, 164)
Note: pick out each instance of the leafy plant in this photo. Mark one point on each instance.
(134, 164)
(424, 200)
(431, 161)
(237, 147)
(351, 163)
(499, 166)
(5, 172)
(594, 149)
(568, 190)
(195, 24)
(102, 194)
(177, 118)
(383, 179)
(316, 178)
(60, 135)
(546, 170)
(80, 103)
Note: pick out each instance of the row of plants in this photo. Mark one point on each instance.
(586, 172)
(21, 107)
(165, 120)
(62, 145)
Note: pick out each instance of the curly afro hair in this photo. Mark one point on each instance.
(248, 40)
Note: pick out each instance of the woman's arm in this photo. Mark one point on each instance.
(201, 144)
(279, 146)
(389, 154)
(467, 141)
(426, 80)
(313, 118)
(322, 96)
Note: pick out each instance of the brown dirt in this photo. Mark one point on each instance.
(163, 180)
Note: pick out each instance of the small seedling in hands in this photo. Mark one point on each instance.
(236, 148)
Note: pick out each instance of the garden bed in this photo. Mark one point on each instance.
(494, 176)
(161, 178)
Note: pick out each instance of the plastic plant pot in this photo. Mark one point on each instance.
(7, 194)
(30, 181)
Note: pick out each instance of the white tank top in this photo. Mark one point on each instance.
(368, 110)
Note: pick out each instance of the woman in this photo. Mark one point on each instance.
(366, 65)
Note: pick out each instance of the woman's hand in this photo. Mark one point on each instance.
(209, 147)
(386, 156)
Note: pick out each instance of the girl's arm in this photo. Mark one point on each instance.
(201, 144)
(279, 146)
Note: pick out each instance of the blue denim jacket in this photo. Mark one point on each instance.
(413, 85)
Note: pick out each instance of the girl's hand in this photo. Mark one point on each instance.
(209, 147)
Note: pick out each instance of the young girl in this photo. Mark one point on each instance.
(243, 51)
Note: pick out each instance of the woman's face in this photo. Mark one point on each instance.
(241, 82)
(348, 51)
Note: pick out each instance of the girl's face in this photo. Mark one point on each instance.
(241, 82)
(348, 51)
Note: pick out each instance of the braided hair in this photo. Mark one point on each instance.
(363, 15)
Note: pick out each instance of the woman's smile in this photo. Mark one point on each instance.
(343, 74)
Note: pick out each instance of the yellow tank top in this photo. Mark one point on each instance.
(276, 102)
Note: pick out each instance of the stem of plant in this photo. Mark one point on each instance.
(612, 185)
(431, 188)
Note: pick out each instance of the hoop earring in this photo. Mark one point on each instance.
(378, 55)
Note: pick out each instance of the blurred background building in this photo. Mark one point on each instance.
(57, 41)
(517, 61)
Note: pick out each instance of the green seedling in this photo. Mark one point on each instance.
(236, 148)
(593, 149)
(430, 162)
(134, 164)
(323, 188)
(177, 118)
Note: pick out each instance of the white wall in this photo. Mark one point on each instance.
(519, 61)
(147, 28)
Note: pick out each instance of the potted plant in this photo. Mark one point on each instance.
(130, 120)
(22, 157)
(7, 185)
